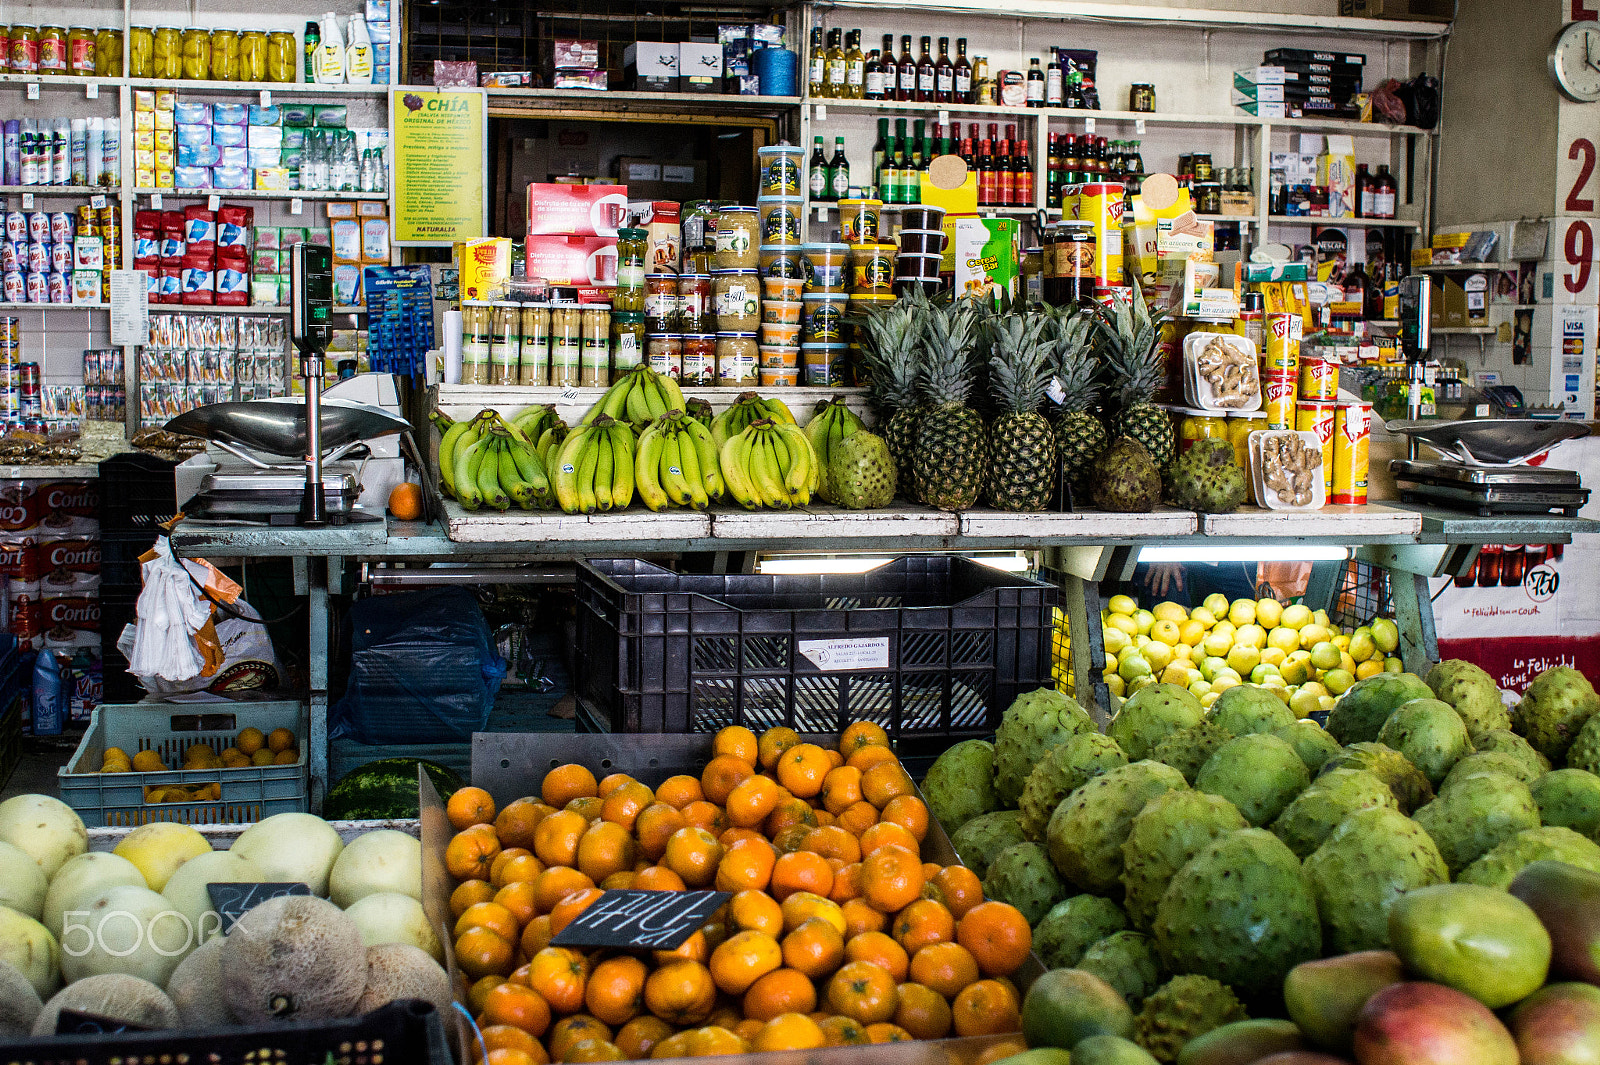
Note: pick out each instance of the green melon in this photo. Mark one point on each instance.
(385, 789)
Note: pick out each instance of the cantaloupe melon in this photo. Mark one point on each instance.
(114, 995)
(292, 847)
(396, 971)
(46, 828)
(390, 917)
(186, 890)
(82, 878)
(29, 946)
(23, 884)
(293, 958)
(19, 1002)
(196, 987)
(159, 848)
(128, 930)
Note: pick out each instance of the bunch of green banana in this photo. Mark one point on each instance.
(639, 398)
(769, 464)
(548, 441)
(455, 436)
(594, 467)
(700, 410)
(746, 410)
(677, 463)
(490, 462)
(535, 420)
(831, 424)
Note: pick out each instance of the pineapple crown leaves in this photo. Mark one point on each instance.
(947, 364)
(1074, 362)
(1019, 361)
(1125, 339)
(892, 337)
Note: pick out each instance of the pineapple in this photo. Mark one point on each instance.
(893, 338)
(1080, 436)
(951, 457)
(1128, 338)
(1022, 468)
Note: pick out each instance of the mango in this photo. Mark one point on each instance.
(1558, 1025)
(1110, 1050)
(1430, 1024)
(1241, 1043)
(1066, 1006)
(1324, 998)
(1567, 900)
(1476, 939)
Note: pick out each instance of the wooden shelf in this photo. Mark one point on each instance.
(1347, 223)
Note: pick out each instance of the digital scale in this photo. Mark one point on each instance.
(1491, 490)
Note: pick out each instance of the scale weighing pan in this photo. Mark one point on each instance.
(1502, 441)
(278, 426)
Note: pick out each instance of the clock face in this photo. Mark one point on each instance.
(1575, 62)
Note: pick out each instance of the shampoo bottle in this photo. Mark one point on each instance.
(358, 56)
(330, 52)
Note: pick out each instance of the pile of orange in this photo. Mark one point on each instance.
(837, 933)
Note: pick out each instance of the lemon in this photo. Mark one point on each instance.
(1321, 618)
(1341, 640)
(1203, 616)
(1312, 634)
(1211, 668)
(1166, 631)
(1347, 663)
(1144, 619)
(1141, 639)
(1133, 665)
(1221, 683)
(1140, 682)
(1386, 634)
(1123, 623)
(1115, 686)
(1183, 651)
(1251, 635)
(1273, 656)
(1242, 611)
(1268, 612)
(1176, 673)
(1200, 688)
(1243, 657)
(148, 762)
(1338, 681)
(1393, 665)
(1122, 604)
(1283, 638)
(1362, 645)
(1169, 611)
(250, 741)
(1369, 668)
(1208, 698)
(1111, 661)
(1262, 671)
(1295, 616)
(1304, 703)
(1225, 627)
(1324, 655)
(1217, 603)
(1158, 654)
(1116, 640)
(1216, 644)
(1191, 632)
(1295, 671)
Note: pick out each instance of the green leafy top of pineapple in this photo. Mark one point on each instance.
(1126, 335)
(1019, 361)
(891, 350)
(1073, 360)
(948, 364)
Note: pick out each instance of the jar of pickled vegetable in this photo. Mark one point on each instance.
(80, 51)
(196, 54)
(52, 49)
(108, 53)
(253, 55)
(166, 53)
(283, 56)
(225, 55)
(24, 50)
(5, 49)
(141, 45)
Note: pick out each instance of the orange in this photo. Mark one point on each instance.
(639, 1035)
(523, 866)
(515, 824)
(823, 816)
(961, 888)
(721, 775)
(923, 1012)
(738, 741)
(885, 834)
(831, 841)
(859, 916)
(997, 935)
(800, 871)
(591, 1050)
(570, 1031)
(654, 826)
(504, 1036)
(491, 915)
(621, 880)
(910, 813)
(864, 758)
(505, 855)
(469, 892)
(742, 959)
(945, 967)
(755, 911)
(470, 854)
(468, 807)
(929, 871)
(923, 922)
(858, 817)
(859, 734)
(752, 800)
(790, 813)
(746, 865)
(658, 878)
(815, 948)
(789, 1031)
(681, 992)
(560, 975)
(733, 835)
(511, 1056)
(567, 782)
(863, 991)
(885, 781)
(623, 805)
(709, 1041)
(846, 883)
(840, 789)
(696, 948)
(615, 992)
(773, 743)
(586, 806)
(568, 908)
(986, 1007)
(779, 992)
(792, 838)
(745, 1029)
(517, 898)
(521, 1007)
(482, 952)
(706, 815)
(605, 848)
(611, 782)
(536, 936)
(843, 1031)
(694, 854)
(679, 791)
(802, 906)
(880, 950)
(884, 1032)
(802, 768)
(479, 991)
(555, 841)
(555, 884)
(891, 878)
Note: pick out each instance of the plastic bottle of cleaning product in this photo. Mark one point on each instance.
(358, 55)
(330, 52)
(47, 703)
(313, 38)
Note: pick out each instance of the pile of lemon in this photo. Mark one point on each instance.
(1296, 652)
(251, 747)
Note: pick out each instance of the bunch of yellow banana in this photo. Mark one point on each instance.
(489, 461)
(640, 397)
(677, 463)
(746, 410)
(594, 466)
(770, 464)
(832, 422)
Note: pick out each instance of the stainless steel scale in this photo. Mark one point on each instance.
(1483, 466)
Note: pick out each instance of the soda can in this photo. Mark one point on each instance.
(59, 287)
(1316, 416)
(14, 288)
(38, 256)
(61, 256)
(28, 375)
(38, 287)
(61, 227)
(1283, 343)
(39, 227)
(30, 408)
(1352, 431)
(1279, 396)
(1319, 379)
(16, 225)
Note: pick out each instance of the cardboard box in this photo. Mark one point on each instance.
(576, 210)
(1475, 291)
(651, 67)
(483, 266)
(572, 260)
(1337, 170)
(700, 66)
(983, 252)
(575, 54)
(656, 179)
(1427, 10)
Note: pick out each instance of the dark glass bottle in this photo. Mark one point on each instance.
(1021, 174)
(906, 88)
(880, 152)
(1364, 192)
(985, 173)
(1003, 167)
(1035, 86)
(838, 172)
(962, 92)
(816, 65)
(944, 74)
(817, 171)
(927, 76)
(882, 72)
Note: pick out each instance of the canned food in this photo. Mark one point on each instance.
(9, 259)
(1279, 396)
(38, 257)
(38, 287)
(28, 376)
(824, 365)
(780, 219)
(1283, 343)
(61, 256)
(1316, 416)
(858, 221)
(780, 166)
(1352, 430)
(1319, 379)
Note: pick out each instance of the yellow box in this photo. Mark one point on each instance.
(165, 120)
(963, 199)
(143, 120)
(483, 265)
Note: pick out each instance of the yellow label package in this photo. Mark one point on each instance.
(1161, 207)
(484, 266)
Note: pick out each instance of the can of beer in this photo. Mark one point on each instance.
(1279, 396)
(1316, 416)
(1283, 343)
(1352, 431)
(1319, 379)
(61, 227)
(39, 227)
(28, 376)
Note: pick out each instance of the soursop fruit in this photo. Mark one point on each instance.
(1307, 822)
(1183, 1009)
(1500, 866)
(1034, 724)
(1569, 798)
(1410, 787)
(1585, 750)
(1477, 814)
(1430, 734)
(1241, 912)
(1126, 479)
(1128, 962)
(861, 473)
(1310, 741)
(1169, 831)
(979, 840)
(1152, 712)
(1023, 876)
(1259, 773)
(1553, 710)
(1504, 741)
(1247, 708)
(1072, 926)
(1472, 693)
(960, 785)
(1370, 859)
(1207, 478)
(1087, 830)
(1188, 749)
(1490, 762)
(1062, 772)
(1359, 714)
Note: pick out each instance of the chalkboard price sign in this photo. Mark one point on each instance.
(643, 920)
(233, 901)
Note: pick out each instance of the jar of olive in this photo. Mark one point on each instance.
(196, 55)
(52, 49)
(225, 55)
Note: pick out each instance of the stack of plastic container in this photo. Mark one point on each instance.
(782, 211)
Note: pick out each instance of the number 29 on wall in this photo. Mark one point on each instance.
(1577, 240)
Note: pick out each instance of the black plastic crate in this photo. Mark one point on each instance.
(939, 646)
(119, 556)
(137, 491)
(117, 610)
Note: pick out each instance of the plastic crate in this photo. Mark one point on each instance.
(119, 557)
(137, 491)
(941, 646)
(248, 795)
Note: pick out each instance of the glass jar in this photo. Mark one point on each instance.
(533, 364)
(476, 323)
(737, 356)
(283, 56)
(5, 49)
(1142, 97)
(505, 343)
(1201, 164)
(1240, 426)
(566, 346)
(1201, 425)
(699, 368)
(253, 55)
(627, 340)
(698, 222)
(738, 239)
(52, 49)
(694, 302)
(141, 51)
(632, 252)
(80, 51)
(196, 55)
(595, 356)
(166, 53)
(663, 353)
(225, 55)
(24, 50)
(661, 304)
(108, 53)
(736, 300)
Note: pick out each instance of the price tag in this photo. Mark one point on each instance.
(1088, 125)
(155, 200)
(130, 308)
(820, 112)
(297, 206)
(233, 901)
(91, 91)
(569, 394)
(213, 203)
(822, 213)
(641, 920)
(266, 97)
(833, 655)
(27, 201)
(944, 117)
(1138, 125)
(97, 202)
(33, 90)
